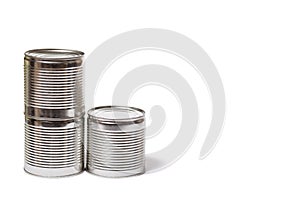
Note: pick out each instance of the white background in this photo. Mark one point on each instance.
(255, 46)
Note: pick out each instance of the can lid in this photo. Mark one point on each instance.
(53, 54)
(116, 114)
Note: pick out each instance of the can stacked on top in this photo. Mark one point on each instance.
(54, 112)
(116, 144)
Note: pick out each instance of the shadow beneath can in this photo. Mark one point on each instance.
(153, 164)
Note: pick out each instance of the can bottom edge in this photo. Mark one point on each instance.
(53, 173)
(116, 174)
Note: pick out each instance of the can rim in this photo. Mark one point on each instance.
(61, 54)
(140, 116)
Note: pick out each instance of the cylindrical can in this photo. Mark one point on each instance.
(116, 141)
(53, 84)
(54, 148)
(54, 112)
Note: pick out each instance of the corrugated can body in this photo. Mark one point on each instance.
(116, 141)
(54, 148)
(54, 110)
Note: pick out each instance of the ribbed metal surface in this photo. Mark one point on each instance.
(54, 144)
(58, 88)
(116, 146)
(53, 85)
(54, 109)
(54, 148)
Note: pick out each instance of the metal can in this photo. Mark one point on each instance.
(54, 111)
(54, 148)
(53, 83)
(116, 141)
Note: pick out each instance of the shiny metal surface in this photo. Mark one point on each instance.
(54, 145)
(116, 141)
(54, 110)
(53, 86)
(54, 114)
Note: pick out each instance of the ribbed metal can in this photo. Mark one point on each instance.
(54, 112)
(53, 83)
(54, 148)
(116, 141)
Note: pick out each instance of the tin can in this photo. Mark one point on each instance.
(54, 148)
(53, 84)
(116, 141)
(54, 111)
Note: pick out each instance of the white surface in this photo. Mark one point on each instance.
(255, 46)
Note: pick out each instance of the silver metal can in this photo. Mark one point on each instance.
(53, 84)
(54, 111)
(54, 148)
(116, 141)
